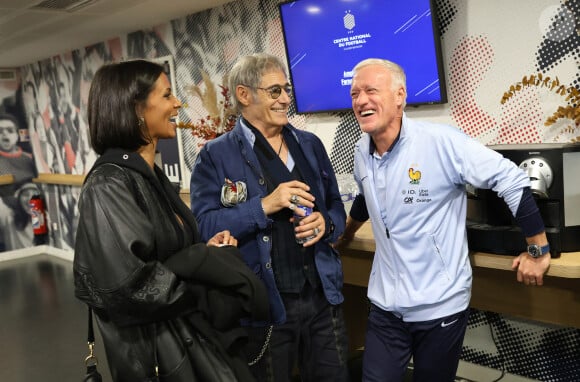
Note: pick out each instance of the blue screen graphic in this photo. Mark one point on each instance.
(325, 39)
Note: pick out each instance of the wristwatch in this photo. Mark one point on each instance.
(536, 250)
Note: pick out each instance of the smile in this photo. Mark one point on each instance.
(366, 113)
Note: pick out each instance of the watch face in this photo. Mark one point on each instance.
(534, 250)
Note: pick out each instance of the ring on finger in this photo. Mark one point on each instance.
(532, 281)
(316, 231)
(294, 199)
(292, 206)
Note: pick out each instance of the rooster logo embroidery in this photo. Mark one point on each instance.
(415, 176)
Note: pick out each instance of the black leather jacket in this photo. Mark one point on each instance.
(159, 295)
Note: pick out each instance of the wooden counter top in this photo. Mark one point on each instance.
(495, 287)
(567, 265)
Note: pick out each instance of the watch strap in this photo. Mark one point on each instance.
(542, 249)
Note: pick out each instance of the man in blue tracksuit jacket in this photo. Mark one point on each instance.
(412, 177)
(250, 181)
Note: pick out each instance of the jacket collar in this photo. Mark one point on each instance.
(135, 162)
(243, 130)
(124, 158)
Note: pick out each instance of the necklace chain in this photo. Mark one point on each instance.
(281, 144)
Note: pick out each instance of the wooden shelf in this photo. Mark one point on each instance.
(6, 179)
(61, 179)
(184, 195)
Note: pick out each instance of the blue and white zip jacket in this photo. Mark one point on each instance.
(421, 268)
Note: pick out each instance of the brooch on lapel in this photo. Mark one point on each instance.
(233, 193)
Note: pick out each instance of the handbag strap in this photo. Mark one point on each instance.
(91, 359)
(91, 332)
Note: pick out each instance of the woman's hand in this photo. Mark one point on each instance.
(222, 239)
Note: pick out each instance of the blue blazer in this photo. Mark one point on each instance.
(231, 156)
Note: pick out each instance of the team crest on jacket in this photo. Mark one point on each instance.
(414, 175)
(233, 193)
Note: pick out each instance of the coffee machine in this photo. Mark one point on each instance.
(554, 172)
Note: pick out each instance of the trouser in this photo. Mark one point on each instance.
(313, 338)
(390, 343)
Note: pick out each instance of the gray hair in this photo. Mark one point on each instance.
(248, 71)
(398, 77)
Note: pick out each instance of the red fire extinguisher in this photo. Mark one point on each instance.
(38, 216)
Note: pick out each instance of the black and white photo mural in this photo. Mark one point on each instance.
(489, 47)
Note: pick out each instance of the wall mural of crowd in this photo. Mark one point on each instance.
(43, 114)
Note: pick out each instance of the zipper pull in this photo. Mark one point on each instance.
(387, 232)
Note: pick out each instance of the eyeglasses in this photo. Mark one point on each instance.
(275, 90)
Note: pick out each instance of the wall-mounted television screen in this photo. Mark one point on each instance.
(325, 39)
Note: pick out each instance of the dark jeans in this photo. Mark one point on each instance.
(313, 338)
(435, 346)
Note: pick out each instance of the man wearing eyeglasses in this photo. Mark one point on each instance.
(256, 181)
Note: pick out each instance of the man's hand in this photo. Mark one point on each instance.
(312, 225)
(531, 271)
(288, 195)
